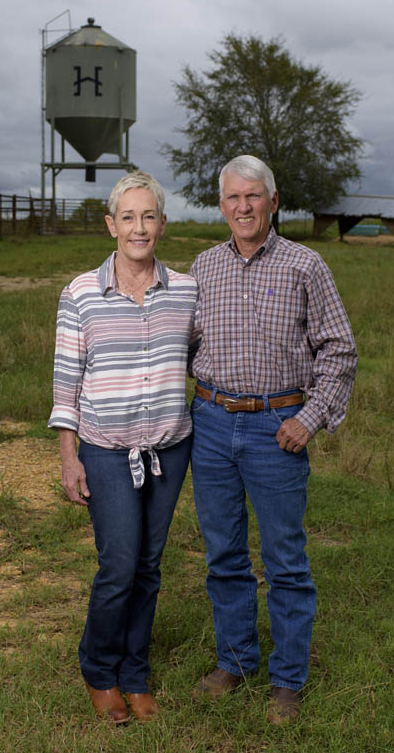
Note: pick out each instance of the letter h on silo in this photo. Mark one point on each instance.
(96, 81)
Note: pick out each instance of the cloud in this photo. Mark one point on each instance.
(349, 43)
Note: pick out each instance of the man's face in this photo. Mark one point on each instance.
(247, 206)
(136, 225)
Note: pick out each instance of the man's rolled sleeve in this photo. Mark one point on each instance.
(335, 356)
(311, 419)
(70, 360)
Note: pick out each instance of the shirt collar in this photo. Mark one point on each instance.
(268, 245)
(107, 277)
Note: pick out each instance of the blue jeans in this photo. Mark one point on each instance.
(130, 527)
(234, 453)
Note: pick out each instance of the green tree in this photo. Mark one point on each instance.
(90, 211)
(257, 99)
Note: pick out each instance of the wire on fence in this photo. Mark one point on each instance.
(26, 215)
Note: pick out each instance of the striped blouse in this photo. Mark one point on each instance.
(120, 369)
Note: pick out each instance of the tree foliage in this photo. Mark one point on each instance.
(90, 210)
(256, 99)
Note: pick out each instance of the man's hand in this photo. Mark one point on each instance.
(292, 435)
(73, 472)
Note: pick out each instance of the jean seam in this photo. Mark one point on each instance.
(280, 684)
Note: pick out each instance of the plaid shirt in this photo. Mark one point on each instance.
(272, 323)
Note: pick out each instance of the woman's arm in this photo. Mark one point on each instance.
(73, 472)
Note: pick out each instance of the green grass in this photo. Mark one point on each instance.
(348, 704)
(45, 256)
(213, 231)
(48, 560)
(364, 277)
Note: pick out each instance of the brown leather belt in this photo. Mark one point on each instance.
(234, 404)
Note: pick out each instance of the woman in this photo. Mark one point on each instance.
(123, 332)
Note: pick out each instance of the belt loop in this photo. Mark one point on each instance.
(266, 404)
(213, 395)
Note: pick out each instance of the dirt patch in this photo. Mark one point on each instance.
(185, 239)
(12, 284)
(23, 283)
(29, 467)
(8, 622)
(326, 541)
(27, 283)
(364, 240)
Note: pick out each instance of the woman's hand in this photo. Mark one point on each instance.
(73, 472)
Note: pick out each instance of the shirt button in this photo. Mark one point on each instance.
(146, 379)
(145, 407)
(145, 349)
(245, 296)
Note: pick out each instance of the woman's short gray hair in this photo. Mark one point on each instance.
(137, 179)
(250, 168)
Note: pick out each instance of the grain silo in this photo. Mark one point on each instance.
(90, 99)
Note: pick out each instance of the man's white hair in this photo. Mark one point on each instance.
(250, 168)
(137, 179)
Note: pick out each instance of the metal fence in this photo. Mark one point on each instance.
(26, 215)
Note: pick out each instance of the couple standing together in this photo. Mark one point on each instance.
(263, 326)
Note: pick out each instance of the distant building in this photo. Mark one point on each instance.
(349, 210)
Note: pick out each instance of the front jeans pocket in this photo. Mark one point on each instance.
(289, 411)
(199, 404)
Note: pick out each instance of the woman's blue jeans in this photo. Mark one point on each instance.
(233, 453)
(130, 527)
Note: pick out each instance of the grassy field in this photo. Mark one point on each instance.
(48, 557)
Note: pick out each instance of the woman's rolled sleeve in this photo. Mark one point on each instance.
(70, 360)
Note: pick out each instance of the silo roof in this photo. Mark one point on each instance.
(90, 35)
(359, 205)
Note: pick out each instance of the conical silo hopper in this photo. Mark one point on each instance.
(91, 91)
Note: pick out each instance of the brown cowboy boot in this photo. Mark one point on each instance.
(217, 683)
(109, 702)
(143, 705)
(284, 705)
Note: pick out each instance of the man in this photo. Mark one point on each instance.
(273, 329)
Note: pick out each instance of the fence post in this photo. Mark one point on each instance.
(53, 215)
(31, 216)
(1, 217)
(14, 214)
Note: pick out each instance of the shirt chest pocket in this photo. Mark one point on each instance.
(281, 309)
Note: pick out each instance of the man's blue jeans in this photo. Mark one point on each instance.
(231, 453)
(130, 527)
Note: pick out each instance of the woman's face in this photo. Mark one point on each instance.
(136, 225)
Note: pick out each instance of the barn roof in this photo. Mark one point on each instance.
(357, 205)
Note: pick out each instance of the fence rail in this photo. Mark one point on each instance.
(26, 215)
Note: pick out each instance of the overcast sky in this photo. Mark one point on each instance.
(349, 39)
